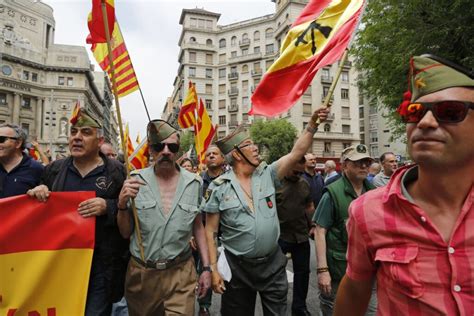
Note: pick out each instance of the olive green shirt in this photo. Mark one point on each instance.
(166, 236)
(245, 233)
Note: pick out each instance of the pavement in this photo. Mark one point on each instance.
(312, 300)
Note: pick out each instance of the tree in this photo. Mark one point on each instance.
(277, 136)
(185, 141)
(394, 30)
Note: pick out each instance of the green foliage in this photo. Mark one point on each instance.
(186, 140)
(279, 135)
(394, 30)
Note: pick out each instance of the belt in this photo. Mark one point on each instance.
(259, 259)
(163, 264)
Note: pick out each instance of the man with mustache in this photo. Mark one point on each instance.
(167, 200)
(87, 169)
(415, 234)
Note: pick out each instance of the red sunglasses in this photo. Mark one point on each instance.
(443, 111)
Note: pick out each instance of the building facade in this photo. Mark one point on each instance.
(226, 62)
(40, 81)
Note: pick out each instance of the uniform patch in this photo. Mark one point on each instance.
(207, 194)
(269, 202)
(101, 183)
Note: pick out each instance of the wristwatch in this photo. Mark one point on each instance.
(206, 268)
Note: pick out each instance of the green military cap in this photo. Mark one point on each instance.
(354, 153)
(233, 140)
(429, 73)
(159, 130)
(81, 118)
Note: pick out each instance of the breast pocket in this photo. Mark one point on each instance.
(146, 210)
(400, 265)
(187, 214)
(266, 202)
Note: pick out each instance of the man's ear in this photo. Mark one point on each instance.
(236, 155)
(101, 141)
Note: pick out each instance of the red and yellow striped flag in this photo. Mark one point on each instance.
(204, 131)
(186, 117)
(75, 113)
(317, 38)
(95, 21)
(139, 158)
(130, 148)
(125, 76)
(45, 255)
(34, 153)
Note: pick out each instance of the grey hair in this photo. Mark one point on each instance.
(330, 164)
(230, 158)
(19, 133)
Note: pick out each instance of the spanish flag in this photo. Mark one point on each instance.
(75, 113)
(186, 117)
(95, 21)
(125, 76)
(139, 158)
(316, 39)
(130, 148)
(204, 132)
(45, 255)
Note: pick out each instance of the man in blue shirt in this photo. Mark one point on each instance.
(18, 172)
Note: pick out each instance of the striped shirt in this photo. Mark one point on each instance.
(418, 273)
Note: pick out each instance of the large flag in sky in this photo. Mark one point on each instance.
(204, 132)
(125, 76)
(186, 117)
(45, 255)
(95, 21)
(316, 39)
(139, 158)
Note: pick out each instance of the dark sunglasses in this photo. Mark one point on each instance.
(362, 163)
(160, 146)
(443, 111)
(4, 138)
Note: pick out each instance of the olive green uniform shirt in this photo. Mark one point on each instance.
(166, 236)
(247, 233)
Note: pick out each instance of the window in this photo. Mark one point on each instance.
(233, 69)
(233, 119)
(222, 43)
(346, 129)
(221, 58)
(222, 73)
(192, 57)
(26, 128)
(361, 98)
(345, 112)
(221, 134)
(209, 42)
(221, 104)
(61, 81)
(256, 36)
(34, 77)
(372, 110)
(209, 24)
(327, 127)
(362, 128)
(245, 117)
(193, 22)
(221, 88)
(233, 102)
(361, 112)
(26, 103)
(245, 103)
(233, 54)
(192, 39)
(192, 71)
(325, 73)
(26, 75)
(269, 49)
(208, 73)
(208, 104)
(256, 49)
(209, 59)
(233, 41)
(70, 81)
(208, 88)
(257, 68)
(245, 51)
(345, 76)
(268, 63)
(245, 36)
(222, 119)
(245, 68)
(345, 94)
(245, 85)
(3, 98)
(269, 33)
(374, 137)
(307, 109)
(327, 147)
(386, 131)
(201, 23)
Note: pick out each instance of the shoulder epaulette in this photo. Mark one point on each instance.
(219, 181)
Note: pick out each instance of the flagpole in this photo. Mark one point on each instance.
(119, 118)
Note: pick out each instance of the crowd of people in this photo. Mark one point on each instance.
(389, 239)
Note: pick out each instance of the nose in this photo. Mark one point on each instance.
(166, 149)
(428, 121)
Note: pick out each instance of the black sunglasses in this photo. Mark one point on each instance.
(443, 111)
(4, 138)
(174, 148)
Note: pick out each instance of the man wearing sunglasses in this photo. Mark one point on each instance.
(18, 171)
(330, 219)
(167, 201)
(415, 234)
(242, 202)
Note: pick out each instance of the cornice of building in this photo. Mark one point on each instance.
(39, 66)
(199, 12)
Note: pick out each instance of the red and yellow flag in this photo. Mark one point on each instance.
(130, 148)
(34, 153)
(75, 113)
(95, 21)
(139, 158)
(317, 38)
(45, 255)
(204, 132)
(125, 76)
(186, 117)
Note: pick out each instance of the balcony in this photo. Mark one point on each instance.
(233, 108)
(329, 153)
(244, 42)
(326, 79)
(197, 46)
(256, 73)
(233, 76)
(233, 124)
(347, 64)
(330, 117)
(244, 58)
(270, 52)
(233, 91)
(335, 135)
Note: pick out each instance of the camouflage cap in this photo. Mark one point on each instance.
(159, 130)
(430, 73)
(234, 139)
(354, 153)
(83, 118)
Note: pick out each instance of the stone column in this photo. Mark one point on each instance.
(16, 108)
(38, 117)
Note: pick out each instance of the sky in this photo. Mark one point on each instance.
(151, 30)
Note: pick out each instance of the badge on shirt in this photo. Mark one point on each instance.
(269, 202)
(207, 194)
(101, 183)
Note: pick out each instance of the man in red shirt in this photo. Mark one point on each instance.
(415, 235)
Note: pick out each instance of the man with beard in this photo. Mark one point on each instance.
(295, 210)
(87, 169)
(330, 218)
(167, 200)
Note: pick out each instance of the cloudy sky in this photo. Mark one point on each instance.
(151, 30)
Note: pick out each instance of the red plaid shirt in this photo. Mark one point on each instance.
(418, 273)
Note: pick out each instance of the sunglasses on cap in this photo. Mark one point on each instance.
(4, 138)
(443, 111)
(160, 146)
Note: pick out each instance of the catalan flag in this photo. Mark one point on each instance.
(186, 117)
(125, 76)
(317, 38)
(139, 158)
(130, 148)
(95, 21)
(45, 255)
(204, 132)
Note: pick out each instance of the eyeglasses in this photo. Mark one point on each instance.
(4, 138)
(160, 146)
(443, 111)
(362, 163)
